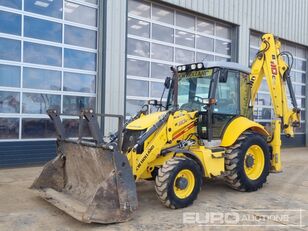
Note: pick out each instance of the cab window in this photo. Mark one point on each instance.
(227, 95)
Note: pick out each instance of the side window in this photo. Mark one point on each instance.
(245, 92)
(203, 85)
(183, 94)
(227, 95)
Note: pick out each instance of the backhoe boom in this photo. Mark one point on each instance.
(269, 63)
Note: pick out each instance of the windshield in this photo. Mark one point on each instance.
(193, 89)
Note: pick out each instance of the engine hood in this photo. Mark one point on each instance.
(145, 121)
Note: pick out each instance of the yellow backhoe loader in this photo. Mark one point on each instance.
(205, 129)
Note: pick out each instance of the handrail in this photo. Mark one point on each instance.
(90, 117)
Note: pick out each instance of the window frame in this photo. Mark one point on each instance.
(62, 45)
(172, 44)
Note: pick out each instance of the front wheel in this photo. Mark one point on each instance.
(247, 163)
(178, 182)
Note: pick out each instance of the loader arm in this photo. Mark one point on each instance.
(142, 154)
(269, 63)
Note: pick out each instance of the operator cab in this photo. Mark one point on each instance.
(220, 90)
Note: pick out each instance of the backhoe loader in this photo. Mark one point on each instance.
(205, 129)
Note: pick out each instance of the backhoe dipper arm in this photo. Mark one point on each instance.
(269, 63)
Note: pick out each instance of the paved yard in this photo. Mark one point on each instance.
(21, 209)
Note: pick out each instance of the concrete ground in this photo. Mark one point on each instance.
(285, 193)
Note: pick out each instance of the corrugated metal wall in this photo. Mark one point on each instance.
(115, 56)
(287, 19)
(115, 64)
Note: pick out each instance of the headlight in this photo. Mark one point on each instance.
(183, 68)
(199, 65)
(179, 68)
(193, 66)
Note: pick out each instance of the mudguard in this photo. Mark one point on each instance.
(237, 126)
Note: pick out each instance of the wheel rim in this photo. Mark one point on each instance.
(254, 162)
(184, 183)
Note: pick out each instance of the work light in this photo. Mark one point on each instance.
(199, 65)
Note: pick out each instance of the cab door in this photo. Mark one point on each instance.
(227, 102)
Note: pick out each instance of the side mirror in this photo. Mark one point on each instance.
(223, 75)
(153, 102)
(144, 109)
(167, 83)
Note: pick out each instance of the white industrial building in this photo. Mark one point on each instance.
(114, 55)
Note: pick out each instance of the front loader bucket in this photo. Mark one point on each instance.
(89, 182)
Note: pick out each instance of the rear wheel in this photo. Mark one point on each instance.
(178, 182)
(247, 163)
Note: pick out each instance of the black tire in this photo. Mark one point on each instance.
(166, 177)
(236, 176)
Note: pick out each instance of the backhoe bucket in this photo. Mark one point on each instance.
(92, 183)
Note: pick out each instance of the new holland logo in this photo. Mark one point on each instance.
(144, 157)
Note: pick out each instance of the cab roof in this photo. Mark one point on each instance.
(228, 65)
